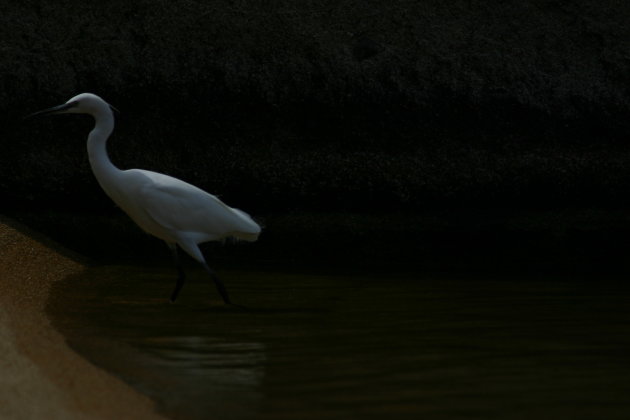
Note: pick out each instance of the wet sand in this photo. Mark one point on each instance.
(40, 376)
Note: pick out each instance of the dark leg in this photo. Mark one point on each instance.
(181, 277)
(218, 283)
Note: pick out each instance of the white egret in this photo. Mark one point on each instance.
(168, 208)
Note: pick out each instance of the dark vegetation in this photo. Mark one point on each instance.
(359, 127)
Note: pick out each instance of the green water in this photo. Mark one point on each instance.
(357, 347)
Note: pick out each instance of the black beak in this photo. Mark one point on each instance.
(53, 110)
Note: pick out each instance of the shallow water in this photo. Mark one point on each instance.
(356, 347)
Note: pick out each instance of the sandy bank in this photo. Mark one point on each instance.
(40, 376)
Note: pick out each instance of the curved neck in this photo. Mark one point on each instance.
(102, 167)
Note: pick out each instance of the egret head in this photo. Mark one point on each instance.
(84, 103)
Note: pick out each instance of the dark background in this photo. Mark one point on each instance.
(425, 134)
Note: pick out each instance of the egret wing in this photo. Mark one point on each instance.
(179, 206)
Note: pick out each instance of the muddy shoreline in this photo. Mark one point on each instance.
(40, 376)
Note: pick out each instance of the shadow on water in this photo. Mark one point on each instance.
(356, 347)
